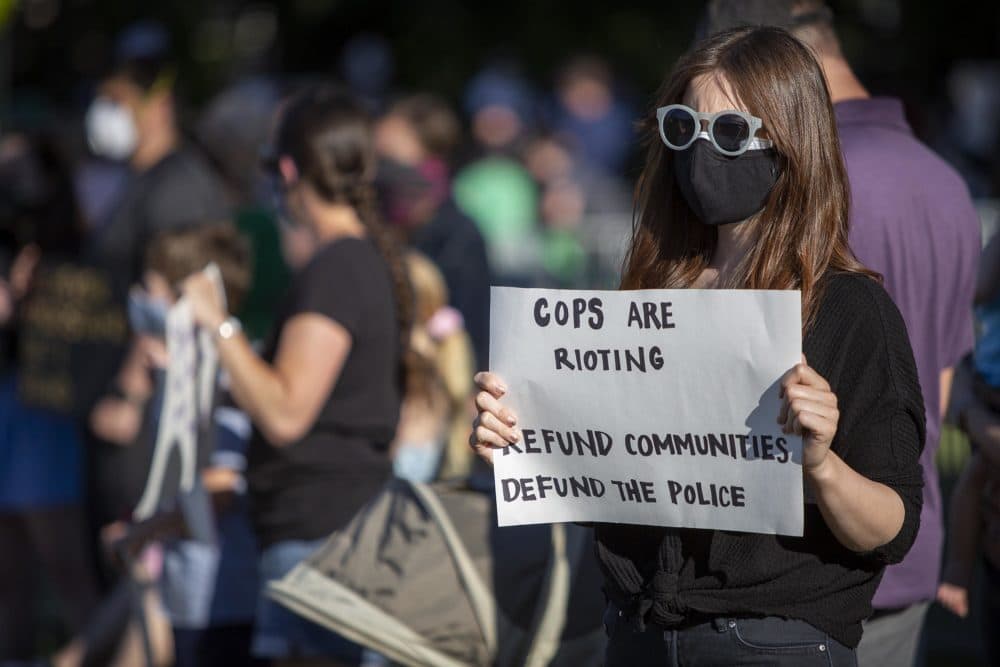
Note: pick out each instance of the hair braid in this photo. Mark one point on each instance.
(328, 135)
(363, 197)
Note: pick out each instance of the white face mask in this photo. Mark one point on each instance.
(111, 131)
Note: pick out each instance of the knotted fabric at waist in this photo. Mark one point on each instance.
(658, 601)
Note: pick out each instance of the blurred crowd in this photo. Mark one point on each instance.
(101, 221)
(102, 218)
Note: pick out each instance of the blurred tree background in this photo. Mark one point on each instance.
(53, 49)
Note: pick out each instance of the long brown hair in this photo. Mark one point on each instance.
(802, 229)
(328, 134)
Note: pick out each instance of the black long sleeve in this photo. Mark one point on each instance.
(858, 342)
(863, 350)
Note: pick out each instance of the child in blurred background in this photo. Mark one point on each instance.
(431, 437)
(208, 590)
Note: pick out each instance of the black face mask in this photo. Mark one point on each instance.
(720, 189)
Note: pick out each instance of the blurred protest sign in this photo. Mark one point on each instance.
(185, 418)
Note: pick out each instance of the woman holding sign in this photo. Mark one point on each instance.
(325, 397)
(744, 187)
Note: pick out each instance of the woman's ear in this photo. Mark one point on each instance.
(289, 172)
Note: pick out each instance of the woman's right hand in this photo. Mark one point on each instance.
(493, 427)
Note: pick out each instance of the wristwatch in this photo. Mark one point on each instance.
(229, 328)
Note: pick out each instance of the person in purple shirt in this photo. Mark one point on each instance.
(912, 220)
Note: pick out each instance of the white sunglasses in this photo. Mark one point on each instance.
(731, 132)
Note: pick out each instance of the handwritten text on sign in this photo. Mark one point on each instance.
(654, 407)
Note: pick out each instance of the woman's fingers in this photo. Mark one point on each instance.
(483, 435)
(802, 391)
(808, 376)
(797, 405)
(205, 305)
(791, 406)
(489, 382)
(805, 375)
(491, 422)
(484, 439)
(804, 386)
(800, 415)
(493, 427)
(793, 426)
(483, 451)
(485, 402)
(816, 425)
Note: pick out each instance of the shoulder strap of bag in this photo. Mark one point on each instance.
(567, 549)
(480, 597)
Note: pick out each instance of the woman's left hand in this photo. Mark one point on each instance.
(809, 409)
(206, 303)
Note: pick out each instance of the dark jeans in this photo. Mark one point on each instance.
(991, 612)
(724, 642)
(224, 645)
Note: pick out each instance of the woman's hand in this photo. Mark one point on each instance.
(493, 427)
(954, 598)
(809, 409)
(206, 302)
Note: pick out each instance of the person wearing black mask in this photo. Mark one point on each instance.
(415, 141)
(913, 221)
(743, 190)
(719, 189)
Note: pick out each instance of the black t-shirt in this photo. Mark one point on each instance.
(178, 191)
(308, 489)
(670, 577)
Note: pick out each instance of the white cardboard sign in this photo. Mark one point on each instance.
(655, 407)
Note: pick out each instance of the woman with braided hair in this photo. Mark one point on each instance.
(325, 395)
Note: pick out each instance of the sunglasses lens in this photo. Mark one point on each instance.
(731, 132)
(679, 127)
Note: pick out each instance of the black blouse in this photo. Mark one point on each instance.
(672, 577)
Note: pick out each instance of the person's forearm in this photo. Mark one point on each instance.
(862, 514)
(255, 386)
(963, 524)
(945, 380)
